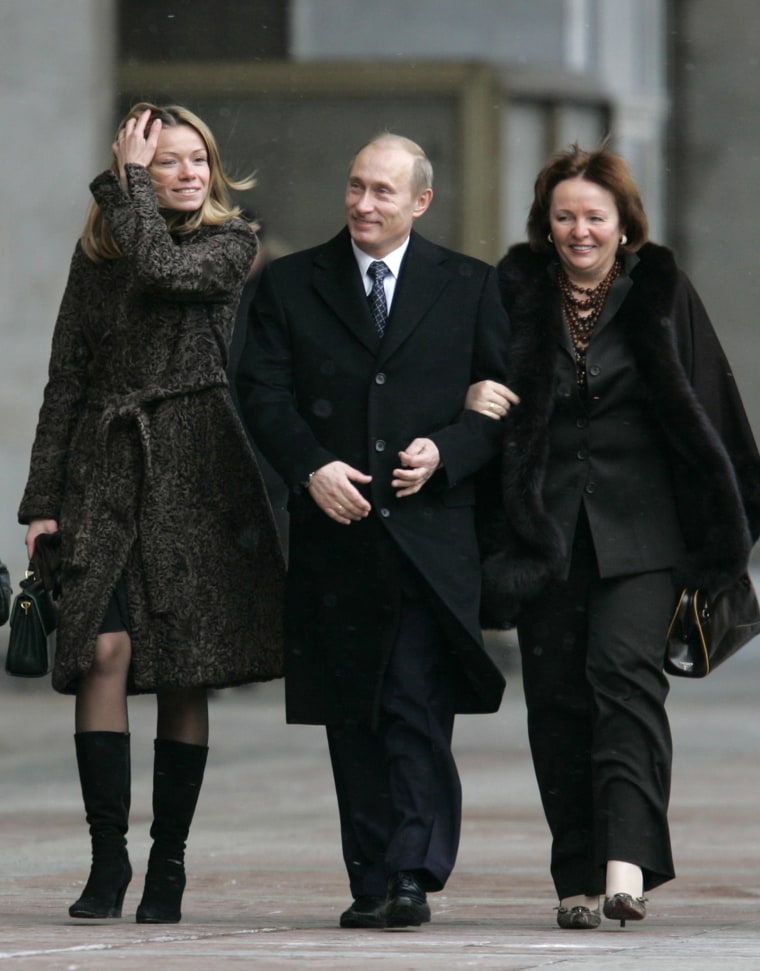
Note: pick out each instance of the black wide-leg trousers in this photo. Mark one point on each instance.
(592, 653)
(399, 796)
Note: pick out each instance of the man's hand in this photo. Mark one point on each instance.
(418, 462)
(332, 488)
(490, 398)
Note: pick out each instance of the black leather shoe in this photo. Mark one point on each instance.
(364, 912)
(406, 904)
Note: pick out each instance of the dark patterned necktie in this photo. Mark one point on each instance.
(377, 305)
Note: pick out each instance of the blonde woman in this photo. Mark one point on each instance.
(172, 571)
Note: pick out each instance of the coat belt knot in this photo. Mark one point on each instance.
(115, 500)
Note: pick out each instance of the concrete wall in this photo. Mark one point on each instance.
(620, 45)
(499, 31)
(716, 172)
(56, 66)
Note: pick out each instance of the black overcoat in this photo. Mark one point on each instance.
(692, 396)
(316, 384)
(141, 458)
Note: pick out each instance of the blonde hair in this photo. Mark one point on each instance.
(97, 240)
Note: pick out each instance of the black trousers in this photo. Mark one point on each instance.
(592, 653)
(399, 796)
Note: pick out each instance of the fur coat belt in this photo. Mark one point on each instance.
(113, 493)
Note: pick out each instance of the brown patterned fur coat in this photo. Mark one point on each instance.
(140, 457)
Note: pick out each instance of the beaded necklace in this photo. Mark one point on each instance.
(583, 307)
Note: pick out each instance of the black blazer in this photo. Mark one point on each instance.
(317, 384)
(607, 452)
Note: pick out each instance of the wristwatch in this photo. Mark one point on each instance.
(307, 482)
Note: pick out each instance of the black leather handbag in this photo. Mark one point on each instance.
(705, 631)
(34, 617)
(6, 594)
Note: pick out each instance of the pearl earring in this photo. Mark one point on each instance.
(623, 239)
(549, 237)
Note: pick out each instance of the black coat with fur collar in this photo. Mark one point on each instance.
(690, 387)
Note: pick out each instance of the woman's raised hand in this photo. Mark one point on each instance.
(134, 146)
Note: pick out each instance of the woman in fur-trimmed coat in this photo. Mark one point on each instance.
(172, 573)
(628, 470)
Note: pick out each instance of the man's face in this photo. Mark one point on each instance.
(381, 203)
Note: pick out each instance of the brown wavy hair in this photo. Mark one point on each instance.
(605, 169)
(96, 238)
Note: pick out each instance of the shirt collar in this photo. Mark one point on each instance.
(392, 260)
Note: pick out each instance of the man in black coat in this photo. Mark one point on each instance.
(361, 412)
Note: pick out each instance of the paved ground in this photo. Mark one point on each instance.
(265, 878)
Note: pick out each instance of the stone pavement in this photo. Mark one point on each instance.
(266, 882)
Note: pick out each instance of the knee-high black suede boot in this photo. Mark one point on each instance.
(105, 776)
(177, 778)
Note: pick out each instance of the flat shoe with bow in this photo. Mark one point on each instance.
(578, 918)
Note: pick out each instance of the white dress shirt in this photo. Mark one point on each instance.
(392, 261)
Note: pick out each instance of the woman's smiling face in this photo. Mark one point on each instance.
(586, 229)
(180, 169)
